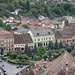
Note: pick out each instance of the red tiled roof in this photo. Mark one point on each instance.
(29, 26)
(43, 63)
(33, 23)
(6, 34)
(21, 25)
(23, 20)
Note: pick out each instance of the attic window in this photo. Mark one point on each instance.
(48, 32)
(37, 33)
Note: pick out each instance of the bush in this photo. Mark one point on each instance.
(69, 48)
(4, 58)
(56, 55)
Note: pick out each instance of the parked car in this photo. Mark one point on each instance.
(17, 66)
(21, 66)
(5, 73)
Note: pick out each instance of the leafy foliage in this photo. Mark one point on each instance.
(41, 51)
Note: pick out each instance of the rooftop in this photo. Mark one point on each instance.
(42, 32)
(22, 38)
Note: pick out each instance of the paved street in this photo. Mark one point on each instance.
(10, 69)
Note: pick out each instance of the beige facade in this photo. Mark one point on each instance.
(42, 36)
(7, 44)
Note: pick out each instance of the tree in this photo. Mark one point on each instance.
(1, 23)
(45, 58)
(66, 23)
(27, 6)
(20, 57)
(35, 49)
(68, 48)
(56, 55)
(26, 57)
(7, 14)
(7, 27)
(41, 51)
(25, 26)
(27, 50)
(73, 52)
(14, 56)
(11, 7)
(60, 44)
(50, 45)
(56, 44)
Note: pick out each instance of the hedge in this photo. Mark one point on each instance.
(19, 63)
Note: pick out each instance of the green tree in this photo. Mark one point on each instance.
(45, 57)
(35, 49)
(11, 7)
(41, 51)
(50, 45)
(7, 14)
(14, 56)
(73, 52)
(66, 23)
(56, 44)
(7, 27)
(25, 26)
(27, 6)
(1, 23)
(25, 57)
(26, 48)
(60, 44)
(69, 49)
(20, 57)
(55, 55)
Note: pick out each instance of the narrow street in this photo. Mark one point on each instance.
(10, 69)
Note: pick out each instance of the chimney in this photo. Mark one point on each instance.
(66, 68)
(34, 70)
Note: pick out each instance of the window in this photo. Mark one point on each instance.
(37, 33)
(12, 40)
(44, 44)
(48, 32)
(35, 39)
(9, 44)
(38, 39)
(6, 45)
(6, 40)
(44, 38)
(9, 40)
(52, 37)
(49, 38)
(7, 49)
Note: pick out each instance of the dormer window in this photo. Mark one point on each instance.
(37, 33)
(48, 32)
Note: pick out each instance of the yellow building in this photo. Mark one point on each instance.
(42, 36)
(6, 41)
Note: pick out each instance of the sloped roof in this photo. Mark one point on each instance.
(42, 32)
(22, 38)
(22, 30)
(59, 64)
(32, 69)
(69, 31)
(6, 34)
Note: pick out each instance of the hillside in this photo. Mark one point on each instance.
(49, 9)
